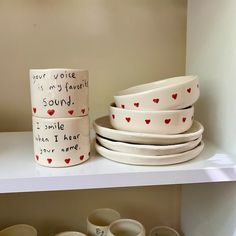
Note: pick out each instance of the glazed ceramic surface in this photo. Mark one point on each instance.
(99, 220)
(156, 122)
(70, 233)
(172, 93)
(148, 150)
(61, 142)
(163, 231)
(19, 230)
(59, 92)
(103, 127)
(126, 227)
(135, 159)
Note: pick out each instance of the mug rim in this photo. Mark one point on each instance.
(101, 209)
(164, 227)
(142, 229)
(19, 225)
(55, 69)
(64, 232)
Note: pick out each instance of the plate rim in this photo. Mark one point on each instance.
(187, 156)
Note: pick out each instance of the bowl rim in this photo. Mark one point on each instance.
(128, 92)
(113, 107)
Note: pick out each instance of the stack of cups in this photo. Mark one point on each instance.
(59, 99)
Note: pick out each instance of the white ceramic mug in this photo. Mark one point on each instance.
(59, 93)
(99, 220)
(126, 227)
(70, 233)
(61, 142)
(19, 230)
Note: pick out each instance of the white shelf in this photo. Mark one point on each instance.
(20, 173)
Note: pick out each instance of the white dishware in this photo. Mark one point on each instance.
(59, 93)
(19, 230)
(61, 142)
(172, 93)
(70, 233)
(163, 231)
(103, 127)
(126, 227)
(148, 150)
(135, 159)
(99, 220)
(156, 122)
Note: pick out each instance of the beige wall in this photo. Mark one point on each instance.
(122, 43)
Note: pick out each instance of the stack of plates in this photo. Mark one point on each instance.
(136, 133)
(147, 149)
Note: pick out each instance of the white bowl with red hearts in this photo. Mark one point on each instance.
(157, 122)
(61, 142)
(59, 93)
(172, 93)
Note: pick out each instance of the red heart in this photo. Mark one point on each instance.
(136, 104)
(184, 119)
(71, 112)
(174, 96)
(155, 100)
(83, 111)
(123, 106)
(49, 160)
(167, 121)
(128, 119)
(189, 90)
(37, 157)
(81, 157)
(34, 109)
(67, 161)
(51, 112)
(147, 121)
(113, 116)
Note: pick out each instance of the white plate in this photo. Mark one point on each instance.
(150, 150)
(135, 159)
(103, 127)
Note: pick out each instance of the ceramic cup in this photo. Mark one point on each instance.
(20, 229)
(59, 93)
(157, 122)
(172, 93)
(99, 220)
(61, 142)
(126, 227)
(163, 231)
(70, 233)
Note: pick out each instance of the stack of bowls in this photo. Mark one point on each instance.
(59, 99)
(162, 109)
